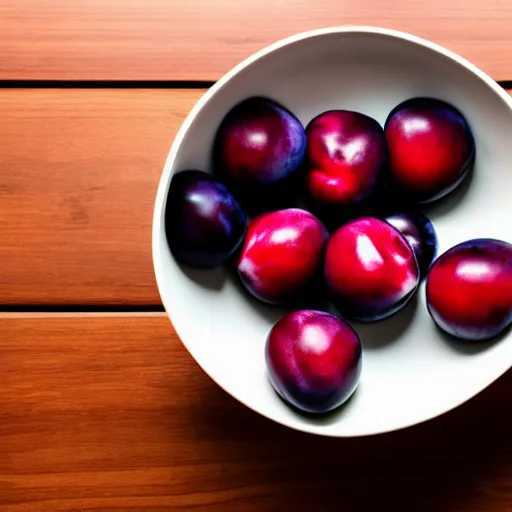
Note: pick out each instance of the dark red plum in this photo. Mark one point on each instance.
(204, 222)
(259, 142)
(469, 289)
(314, 360)
(419, 231)
(431, 148)
(346, 156)
(282, 255)
(370, 269)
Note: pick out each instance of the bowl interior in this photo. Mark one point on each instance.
(411, 371)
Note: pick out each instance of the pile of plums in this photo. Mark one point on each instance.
(327, 215)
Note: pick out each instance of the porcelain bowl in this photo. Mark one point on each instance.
(411, 371)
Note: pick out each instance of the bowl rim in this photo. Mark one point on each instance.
(166, 175)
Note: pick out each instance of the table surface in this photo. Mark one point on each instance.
(101, 408)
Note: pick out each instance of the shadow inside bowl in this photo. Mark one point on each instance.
(269, 312)
(213, 279)
(323, 419)
(465, 347)
(444, 205)
(380, 334)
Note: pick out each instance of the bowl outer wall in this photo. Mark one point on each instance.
(437, 374)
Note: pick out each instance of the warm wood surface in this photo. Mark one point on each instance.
(79, 171)
(111, 414)
(202, 39)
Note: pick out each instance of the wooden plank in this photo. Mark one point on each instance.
(79, 170)
(201, 39)
(112, 414)
(78, 176)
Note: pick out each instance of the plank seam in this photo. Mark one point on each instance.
(81, 308)
(127, 84)
(105, 84)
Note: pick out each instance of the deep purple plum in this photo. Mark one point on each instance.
(370, 269)
(346, 155)
(431, 148)
(314, 360)
(204, 222)
(259, 142)
(419, 231)
(469, 289)
(281, 257)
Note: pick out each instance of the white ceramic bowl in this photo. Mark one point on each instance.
(411, 372)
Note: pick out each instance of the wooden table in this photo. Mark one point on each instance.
(101, 408)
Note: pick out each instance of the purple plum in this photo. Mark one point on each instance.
(281, 257)
(204, 222)
(370, 269)
(259, 142)
(314, 360)
(469, 289)
(421, 235)
(346, 156)
(431, 148)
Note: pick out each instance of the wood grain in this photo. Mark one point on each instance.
(112, 414)
(79, 171)
(201, 39)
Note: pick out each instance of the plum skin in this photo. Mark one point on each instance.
(419, 231)
(469, 289)
(431, 148)
(204, 222)
(281, 257)
(346, 155)
(370, 270)
(259, 142)
(314, 360)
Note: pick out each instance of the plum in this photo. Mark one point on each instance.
(346, 155)
(469, 289)
(431, 148)
(281, 257)
(419, 231)
(259, 142)
(370, 270)
(204, 222)
(314, 360)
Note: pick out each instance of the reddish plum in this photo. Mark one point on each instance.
(282, 255)
(370, 269)
(204, 223)
(346, 155)
(469, 289)
(421, 235)
(314, 360)
(431, 148)
(259, 142)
